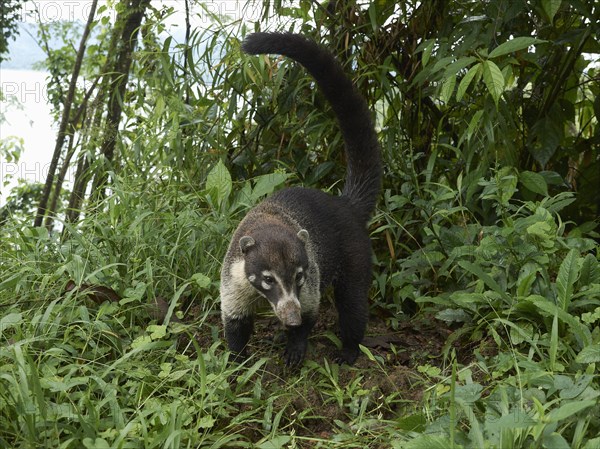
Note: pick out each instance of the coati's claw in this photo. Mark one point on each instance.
(347, 356)
(294, 354)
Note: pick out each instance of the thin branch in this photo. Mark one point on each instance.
(60, 139)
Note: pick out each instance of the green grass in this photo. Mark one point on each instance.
(502, 351)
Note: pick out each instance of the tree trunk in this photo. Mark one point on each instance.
(51, 211)
(65, 119)
(122, 41)
(134, 14)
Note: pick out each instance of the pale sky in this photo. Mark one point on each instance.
(31, 121)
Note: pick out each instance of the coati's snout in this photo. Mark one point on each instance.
(289, 312)
(281, 294)
(275, 265)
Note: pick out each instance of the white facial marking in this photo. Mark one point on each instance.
(237, 294)
(238, 271)
(299, 276)
(268, 280)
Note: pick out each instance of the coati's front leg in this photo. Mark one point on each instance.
(237, 332)
(297, 340)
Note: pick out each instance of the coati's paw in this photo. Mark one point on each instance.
(294, 353)
(347, 355)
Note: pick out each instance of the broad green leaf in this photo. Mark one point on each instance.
(467, 300)
(591, 317)
(96, 443)
(527, 276)
(134, 294)
(206, 422)
(555, 441)
(519, 332)
(589, 354)
(442, 63)
(543, 233)
(412, 423)
(266, 184)
(458, 65)
(590, 271)
(516, 44)
(424, 45)
(549, 309)
(494, 80)
(547, 134)
(425, 441)
(551, 7)
(59, 384)
(552, 178)
(448, 88)
(567, 276)
(373, 14)
(570, 389)
(176, 375)
(366, 351)
(276, 442)
(507, 184)
(469, 393)
(568, 410)
(594, 443)
(474, 123)
(431, 371)
(486, 278)
(201, 280)
(534, 182)
(219, 182)
(427, 51)
(10, 320)
(453, 315)
(467, 79)
(157, 331)
(512, 420)
(10, 281)
(318, 172)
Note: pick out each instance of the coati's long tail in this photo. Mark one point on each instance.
(354, 117)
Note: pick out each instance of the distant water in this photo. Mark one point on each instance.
(27, 115)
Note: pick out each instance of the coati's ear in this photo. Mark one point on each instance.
(246, 242)
(303, 235)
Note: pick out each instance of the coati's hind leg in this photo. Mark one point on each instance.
(297, 340)
(351, 301)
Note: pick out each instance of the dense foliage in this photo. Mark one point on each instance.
(485, 328)
(9, 17)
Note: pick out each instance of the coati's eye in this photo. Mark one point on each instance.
(269, 279)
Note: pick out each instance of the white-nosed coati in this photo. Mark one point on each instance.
(298, 241)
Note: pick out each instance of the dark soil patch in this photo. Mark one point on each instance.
(394, 387)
